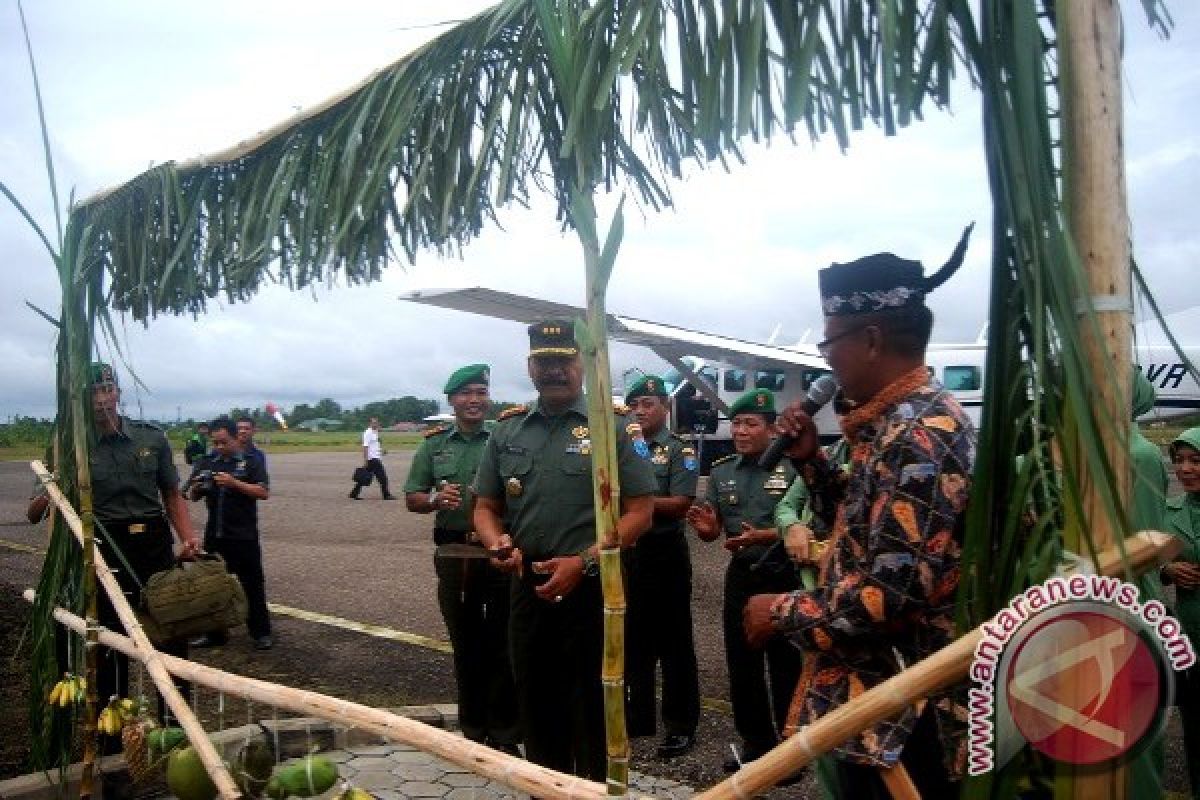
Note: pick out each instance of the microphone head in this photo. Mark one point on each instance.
(822, 390)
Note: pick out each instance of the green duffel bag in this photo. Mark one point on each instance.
(190, 599)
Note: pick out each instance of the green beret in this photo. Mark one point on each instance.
(553, 337)
(646, 386)
(756, 401)
(101, 373)
(472, 373)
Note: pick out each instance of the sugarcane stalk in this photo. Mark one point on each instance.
(1094, 198)
(592, 336)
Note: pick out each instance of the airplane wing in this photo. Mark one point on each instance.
(668, 341)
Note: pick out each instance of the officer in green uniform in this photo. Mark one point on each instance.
(1183, 520)
(136, 498)
(534, 507)
(658, 585)
(472, 594)
(740, 502)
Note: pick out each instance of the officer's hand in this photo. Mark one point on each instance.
(513, 562)
(703, 519)
(224, 479)
(449, 497)
(189, 550)
(757, 619)
(797, 540)
(565, 573)
(796, 423)
(751, 535)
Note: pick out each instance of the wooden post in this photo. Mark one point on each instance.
(1094, 195)
(148, 655)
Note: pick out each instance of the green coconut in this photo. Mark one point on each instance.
(308, 777)
(252, 767)
(161, 741)
(186, 776)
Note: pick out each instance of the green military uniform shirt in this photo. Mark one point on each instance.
(541, 467)
(1183, 520)
(676, 470)
(129, 469)
(742, 491)
(453, 456)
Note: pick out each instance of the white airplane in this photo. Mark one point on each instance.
(710, 371)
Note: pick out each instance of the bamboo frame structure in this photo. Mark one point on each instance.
(1094, 197)
(940, 670)
(145, 651)
(522, 775)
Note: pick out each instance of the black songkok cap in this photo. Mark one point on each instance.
(883, 282)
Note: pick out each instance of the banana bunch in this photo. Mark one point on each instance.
(71, 689)
(111, 718)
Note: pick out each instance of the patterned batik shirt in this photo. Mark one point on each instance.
(886, 599)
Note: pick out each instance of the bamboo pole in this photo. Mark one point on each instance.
(1094, 196)
(940, 670)
(606, 484)
(147, 654)
(512, 771)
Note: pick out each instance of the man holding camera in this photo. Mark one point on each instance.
(232, 482)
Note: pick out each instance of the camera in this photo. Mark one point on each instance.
(203, 480)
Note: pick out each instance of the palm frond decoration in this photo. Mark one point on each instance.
(573, 97)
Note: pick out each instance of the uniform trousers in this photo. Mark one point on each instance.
(556, 652)
(760, 705)
(1187, 691)
(474, 598)
(658, 629)
(145, 553)
(243, 558)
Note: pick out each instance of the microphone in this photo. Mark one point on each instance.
(819, 394)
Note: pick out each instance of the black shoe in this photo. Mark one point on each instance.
(732, 764)
(674, 745)
(389, 497)
(208, 641)
(264, 643)
(353, 496)
(510, 749)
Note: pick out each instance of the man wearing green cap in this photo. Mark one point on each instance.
(137, 502)
(740, 502)
(886, 596)
(658, 585)
(534, 507)
(472, 594)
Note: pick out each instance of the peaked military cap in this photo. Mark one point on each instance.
(553, 337)
(101, 374)
(883, 282)
(755, 401)
(472, 373)
(646, 386)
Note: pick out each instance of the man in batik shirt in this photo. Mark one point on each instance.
(885, 597)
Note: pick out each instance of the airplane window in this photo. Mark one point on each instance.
(961, 378)
(709, 374)
(735, 380)
(771, 379)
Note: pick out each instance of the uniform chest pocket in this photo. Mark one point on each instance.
(103, 471)
(511, 464)
(444, 466)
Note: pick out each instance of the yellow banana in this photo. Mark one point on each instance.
(68, 691)
(55, 691)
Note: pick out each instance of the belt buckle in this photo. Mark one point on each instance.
(473, 538)
(139, 527)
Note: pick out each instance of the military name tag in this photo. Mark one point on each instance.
(513, 487)
(776, 483)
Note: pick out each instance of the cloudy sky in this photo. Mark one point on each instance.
(132, 83)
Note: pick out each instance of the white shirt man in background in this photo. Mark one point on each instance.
(372, 462)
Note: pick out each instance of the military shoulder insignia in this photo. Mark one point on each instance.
(141, 423)
(620, 409)
(513, 412)
(434, 431)
(723, 459)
